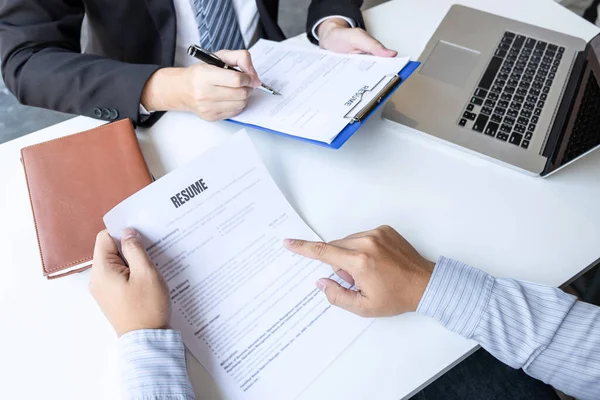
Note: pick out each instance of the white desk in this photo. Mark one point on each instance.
(55, 343)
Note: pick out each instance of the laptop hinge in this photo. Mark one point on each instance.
(565, 109)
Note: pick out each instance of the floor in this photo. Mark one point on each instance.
(17, 120)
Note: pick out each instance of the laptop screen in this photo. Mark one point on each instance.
(582, 133)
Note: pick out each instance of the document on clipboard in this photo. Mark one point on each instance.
(321, 92)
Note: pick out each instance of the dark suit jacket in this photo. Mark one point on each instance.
(43, 66)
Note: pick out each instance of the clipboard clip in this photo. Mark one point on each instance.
(375, 101)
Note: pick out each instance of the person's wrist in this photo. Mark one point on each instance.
(422, 277)
(165, 90)
(328, 25)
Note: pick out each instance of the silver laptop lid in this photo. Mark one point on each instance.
(457, 61)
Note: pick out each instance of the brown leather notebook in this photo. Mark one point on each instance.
(73, 181)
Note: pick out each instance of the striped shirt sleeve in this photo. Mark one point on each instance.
(546, 332)
(152, 363)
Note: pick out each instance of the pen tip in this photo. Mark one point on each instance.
(276, 93)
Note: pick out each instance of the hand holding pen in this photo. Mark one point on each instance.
(211, 93)
(214, 60)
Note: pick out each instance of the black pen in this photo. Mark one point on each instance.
(213, 59)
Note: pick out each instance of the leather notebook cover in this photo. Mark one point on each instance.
(73, 181)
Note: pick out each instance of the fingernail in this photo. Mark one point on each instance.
(321, 285)
(289, 242)
(129, 234)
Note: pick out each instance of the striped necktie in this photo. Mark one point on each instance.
(218, 25)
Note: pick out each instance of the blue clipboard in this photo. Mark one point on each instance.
(352, 127)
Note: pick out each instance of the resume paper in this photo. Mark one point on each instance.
(246, 307)
(320, 91)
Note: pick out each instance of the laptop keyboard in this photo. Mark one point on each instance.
(509, 99)
(586, 130)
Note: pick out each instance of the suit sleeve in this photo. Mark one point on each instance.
(324, 8)
(42, 64)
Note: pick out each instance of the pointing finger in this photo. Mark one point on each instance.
(337, 257)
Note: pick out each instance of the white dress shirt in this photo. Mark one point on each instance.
(546, 332)
(187, 29)
(247, 16)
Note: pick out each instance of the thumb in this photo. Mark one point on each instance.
(134, 252)
(382, 51)
(104, 249)
(339, 296)
(106, 257)
(373, 46)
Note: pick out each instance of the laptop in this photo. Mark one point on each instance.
(519, 94)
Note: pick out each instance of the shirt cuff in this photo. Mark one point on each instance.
(153, 365)
(456, 296)
(350, 21)
(143, 111)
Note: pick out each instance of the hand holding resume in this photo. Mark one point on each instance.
(246, 307)
(321, 91)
